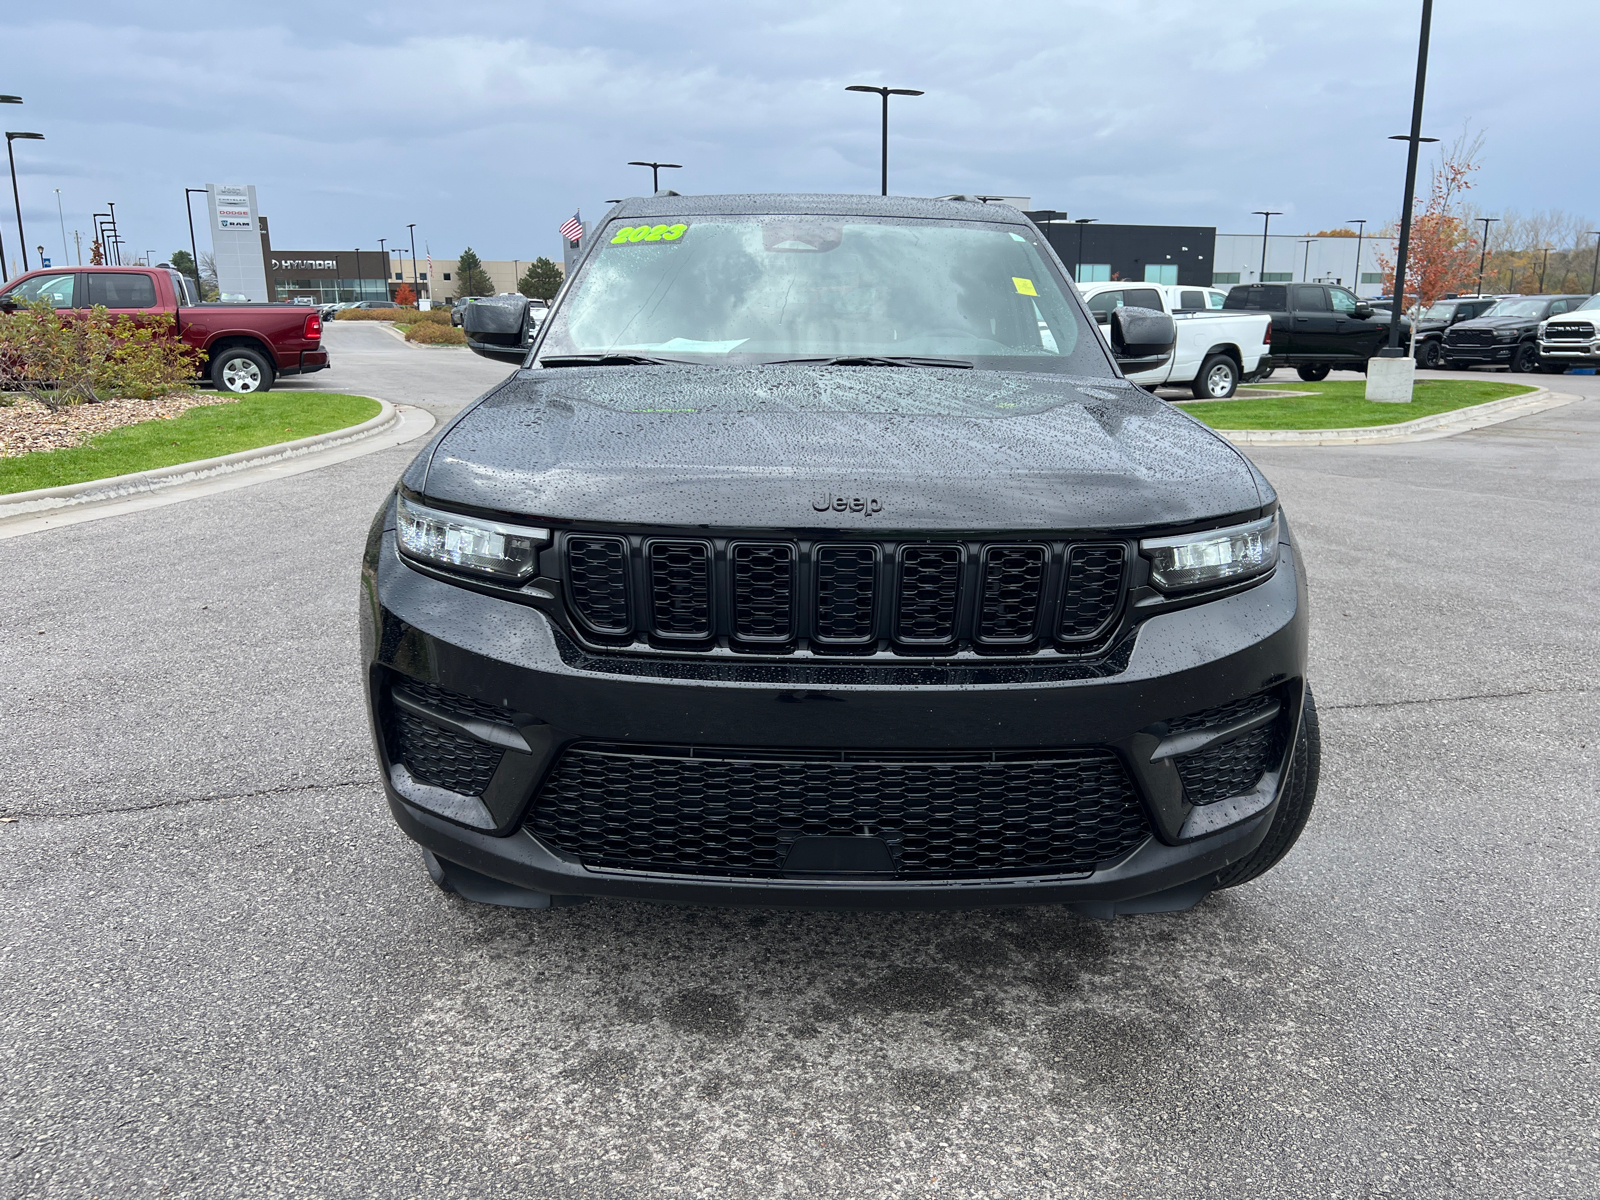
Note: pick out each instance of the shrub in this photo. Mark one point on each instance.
(89, 356)
(431, 333)
(407, 316)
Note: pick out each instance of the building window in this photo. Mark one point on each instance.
(1161, 272)
(1372, 277)
(1092, 273)
(1224, 278)
(447, 276)
(399, 274)
(1276, 276)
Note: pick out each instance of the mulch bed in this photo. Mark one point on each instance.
(27, 426)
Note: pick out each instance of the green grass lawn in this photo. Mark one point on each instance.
(263, 419)
(1341, 405)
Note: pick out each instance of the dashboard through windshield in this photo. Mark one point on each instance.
(765, 289)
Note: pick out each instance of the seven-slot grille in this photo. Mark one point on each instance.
(847, 597)
(1580, 331)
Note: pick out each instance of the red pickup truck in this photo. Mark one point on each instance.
(247, 346)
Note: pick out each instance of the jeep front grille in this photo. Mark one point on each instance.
(845, 597)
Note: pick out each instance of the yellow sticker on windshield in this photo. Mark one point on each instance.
(648, 233)
(1024, 286)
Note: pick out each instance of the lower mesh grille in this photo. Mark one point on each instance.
(737, 812)
(1229, 769)
(439, 756)
(1237, 765)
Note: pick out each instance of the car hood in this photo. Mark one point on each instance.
(776, 447)
(1497, 323)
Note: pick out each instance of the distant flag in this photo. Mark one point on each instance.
(572, 229)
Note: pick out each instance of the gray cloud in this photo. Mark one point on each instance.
(488, 123)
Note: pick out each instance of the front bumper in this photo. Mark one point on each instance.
(416, 627)
(1578, 354)
(1479, 355)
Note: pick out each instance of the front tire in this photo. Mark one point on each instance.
(1294, 809)
(242, 371)
(1313, 372)
(1218, 378)
(1428, 356)
(1524, 358)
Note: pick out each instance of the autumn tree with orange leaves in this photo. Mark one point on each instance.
(1443, 254)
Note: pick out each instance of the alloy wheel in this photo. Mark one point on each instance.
(241, 375)
(1219, 381)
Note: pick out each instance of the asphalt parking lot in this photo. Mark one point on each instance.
(226, 974)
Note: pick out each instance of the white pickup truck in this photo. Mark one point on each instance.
(1216, 350)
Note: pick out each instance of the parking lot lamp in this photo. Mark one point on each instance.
(194, 250)
(1266, 220)
(885, 92)
(1305, 270)
(1414, 140)
(1361, 230)
(1483, 248)
(21, 237)
(62, 217)
(413, 228)
(1542, 265)
(1080, 222)
(655, 172)
(4, 275)
(116, 234)
(384, 254)
(1594, 274)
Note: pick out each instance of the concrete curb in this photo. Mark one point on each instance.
(1438, 425)
(49, 508)
(90, 490)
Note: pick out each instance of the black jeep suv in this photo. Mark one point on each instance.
(819, 555)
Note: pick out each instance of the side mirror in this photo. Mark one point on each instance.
(8, 305)
(1363, 312)
(1141, 338)
(497, 327)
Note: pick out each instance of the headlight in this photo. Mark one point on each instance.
(1216, 556)
(469, 543)
(1508, 335)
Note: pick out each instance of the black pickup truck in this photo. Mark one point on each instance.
(1506, 336)
(1316, 326)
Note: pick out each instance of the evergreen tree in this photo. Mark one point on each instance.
(471, 279)
(541, 281)
(183, 262)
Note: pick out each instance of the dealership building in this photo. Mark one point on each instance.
(326, 276)
(1198, 255)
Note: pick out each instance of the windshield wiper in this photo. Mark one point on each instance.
(873, 360)
(611, 360)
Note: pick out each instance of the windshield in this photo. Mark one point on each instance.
(763, 289)
(1440, 312)
(1589, 305)
(1519, 308)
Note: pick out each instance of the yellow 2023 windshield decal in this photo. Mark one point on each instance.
(648, 233)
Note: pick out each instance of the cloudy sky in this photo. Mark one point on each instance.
(489, 123)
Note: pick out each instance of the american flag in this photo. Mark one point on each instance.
(572, 229)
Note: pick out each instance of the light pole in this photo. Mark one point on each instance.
(1414, 140)
(885, 92)
(11, 137)
(4, 274)
(413, 230)
(1361, 231)
(194, 250)
(1542, 265)
(1594, 275)
(1266, 216)
(100, 237)
(655, 172)
(383, 253)
(361, 291)
(1305, 270)
(1080, 222)
(1483, 248)
(62, 217)
(116, 234)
